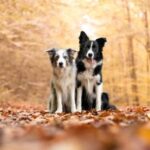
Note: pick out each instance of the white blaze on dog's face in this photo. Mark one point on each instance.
(61, 58)
(90, 52)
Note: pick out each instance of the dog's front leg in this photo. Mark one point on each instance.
(51, 106)
(79, 98)
(73, 104)
(99, 91)
(59, 102)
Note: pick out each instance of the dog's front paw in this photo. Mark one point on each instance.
(58, 111)
(98, 108)
(79, 109)
(73, 110)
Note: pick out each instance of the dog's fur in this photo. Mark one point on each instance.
(62, 97)
(105, 103)
(89, 72)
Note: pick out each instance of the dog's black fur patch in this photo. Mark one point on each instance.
(105, 103)
(80, 67)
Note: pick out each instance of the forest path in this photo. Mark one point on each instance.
(27, 127)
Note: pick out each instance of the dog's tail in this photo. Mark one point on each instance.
(105, 103)
(105, 97)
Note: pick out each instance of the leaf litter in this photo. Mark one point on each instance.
(28, 127)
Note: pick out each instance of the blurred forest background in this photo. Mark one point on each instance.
(28, 28)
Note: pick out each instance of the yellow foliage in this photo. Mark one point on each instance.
(28, 28)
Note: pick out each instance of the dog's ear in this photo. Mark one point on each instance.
(51, 52)
(101, 42)
(83, 37)
(71, 52)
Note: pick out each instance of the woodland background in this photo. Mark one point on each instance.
(28, 28)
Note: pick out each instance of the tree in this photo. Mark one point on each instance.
(131, 60)
(147, 47)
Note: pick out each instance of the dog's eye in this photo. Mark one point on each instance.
(93, 46)
(88, 46)
(57, 57)
(65, 57)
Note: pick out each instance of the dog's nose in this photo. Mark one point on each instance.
(90, 55)
(60, 64)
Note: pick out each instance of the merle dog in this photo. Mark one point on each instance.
(62, 97)
(89, 72)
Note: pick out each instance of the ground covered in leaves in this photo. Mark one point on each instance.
(25, 127)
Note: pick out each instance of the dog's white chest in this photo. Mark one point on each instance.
(64, 80)
(88, 80)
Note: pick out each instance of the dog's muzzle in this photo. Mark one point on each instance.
(90, 55)
(61, 65)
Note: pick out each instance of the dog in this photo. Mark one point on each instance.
(89, 63)
(105, 103)
(62, 97)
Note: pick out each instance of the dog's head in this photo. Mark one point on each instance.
(91, 49)
(61, 58)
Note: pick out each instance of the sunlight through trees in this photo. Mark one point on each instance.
(29, 27)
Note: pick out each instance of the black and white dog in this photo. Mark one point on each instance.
(89, 72)
(63, 82)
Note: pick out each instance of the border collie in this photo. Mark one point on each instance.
(63, 81)
(89, 72)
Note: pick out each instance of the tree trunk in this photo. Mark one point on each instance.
(123, 59)
(131, 60)
(147, 47)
